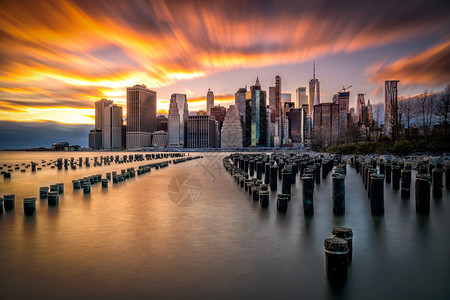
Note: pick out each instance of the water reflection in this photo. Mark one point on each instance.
(133, 242)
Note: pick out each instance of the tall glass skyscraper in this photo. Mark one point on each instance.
(256, 119)
(314, 91)
(239, 101)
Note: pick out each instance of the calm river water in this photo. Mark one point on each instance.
(188, 231)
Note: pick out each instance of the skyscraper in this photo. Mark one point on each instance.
(301, 98)
(390, 107)
(360, 102)
(326, 123)
(232, 133)
(141, 116)
(202, 132)
(177, 121)
(112, 127)
(278, 120)
(343, 100)
(255, 122)
(99, 105)
(209, 101)
(314, 90)
(239, 101)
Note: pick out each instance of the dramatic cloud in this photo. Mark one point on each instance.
(429, 67)
(74, 52)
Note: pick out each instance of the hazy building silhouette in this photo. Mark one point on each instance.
(141, 116)
(177, 120)
(232, 133)
(286, 97)
(391, 107)
(301, 97)
(209, 101)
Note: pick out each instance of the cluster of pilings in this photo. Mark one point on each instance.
(338, 252)
(375, 171)
(53, 192)
(72, 163)
(257, 173)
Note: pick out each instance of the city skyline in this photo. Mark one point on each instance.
(53, 71)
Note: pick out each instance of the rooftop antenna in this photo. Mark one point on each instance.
(314, 69)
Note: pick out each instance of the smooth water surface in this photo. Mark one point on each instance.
(136, 240)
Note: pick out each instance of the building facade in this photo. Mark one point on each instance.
(232, 133)
(219, 112)
(255, 122)
(209, 101)
(360, 102)
(314, 91)
(278, 118)
(99, 111)
(391, 107)
(112, 127)
(177, 120)
(301, 97)
(326, 123)
(239, 101)
(141, 116)
(161, 123)
(202, 132)
(160, 139)
(95, 139)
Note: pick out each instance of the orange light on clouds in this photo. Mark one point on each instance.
(69, 54)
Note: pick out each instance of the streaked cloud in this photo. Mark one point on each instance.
(429, 67)
(57, 57)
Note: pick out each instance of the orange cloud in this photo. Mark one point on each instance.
(429, 67)
(71, 53)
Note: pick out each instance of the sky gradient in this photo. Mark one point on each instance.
(58, 57)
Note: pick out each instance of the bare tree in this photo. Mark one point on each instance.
(425, 103)
(407, 111)
(443, 108)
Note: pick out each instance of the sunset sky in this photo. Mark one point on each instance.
(58, 57)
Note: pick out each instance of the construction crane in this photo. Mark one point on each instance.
(346, 88)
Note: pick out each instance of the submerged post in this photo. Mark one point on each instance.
(29, 206)
(377, 194)
(308, 193)
(336, 254)
(338, 194)
(406, 183)
(423, 193)
(437, 183)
